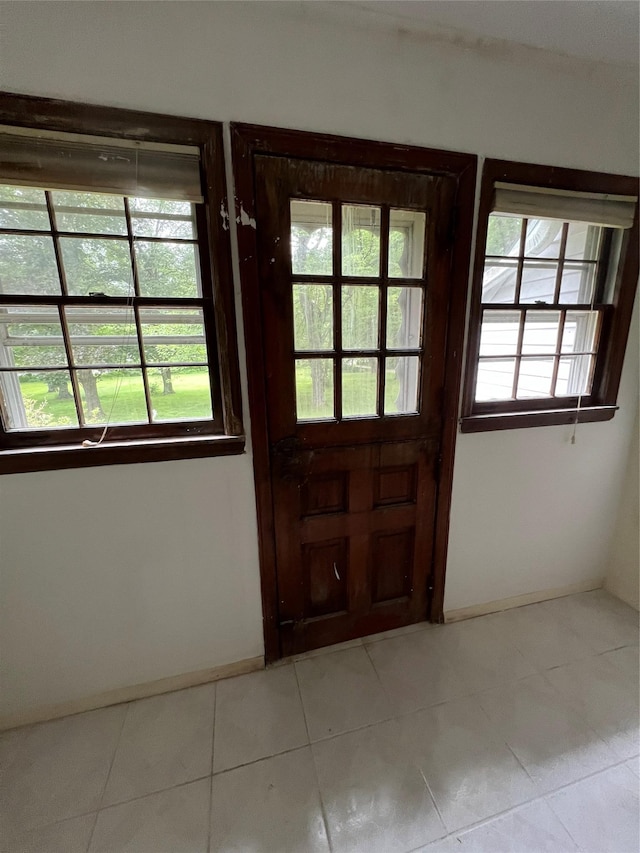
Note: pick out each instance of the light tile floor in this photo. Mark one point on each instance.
(512, 732)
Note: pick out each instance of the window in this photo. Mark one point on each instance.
(115, 290)
(554, 283)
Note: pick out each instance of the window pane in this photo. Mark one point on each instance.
(23, 207)
(103, 336)
(95, 213)
(112, 396)
(574, 375)
(314, 389)
(534, 379)
(360, 317)
(543, 239)
(37, 400)
(174, 335)
(180, 393)
(495, 379)
(503, 235)
(499, 281)
(579, 334)
(28, 266)
(540, 332)
(168, 269)
(313, 316)
(499, 332)
(97, 266)
(406, 243)
(360, 240)
(404, 317)
(157, 217)
(311, 238)
(577, 283)
(583, 242)
(538, 281)
(359, 386)
(31, 337)
(401, 385)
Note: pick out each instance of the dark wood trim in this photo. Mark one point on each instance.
(616, 320)
(25, 460)
(251, 140)
(217, 300)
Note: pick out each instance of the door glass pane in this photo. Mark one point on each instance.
(503, 235)
(179, 393)
(112, 396)
(158, 217)
(538, 281)
(574, 375)
(103, 336)
(31, 337)
(495, 379)
(404, 317)
(23, 207)
(96, 213)
(28, 266)
(37, 400)
(313, 316)
(406, 243)
(534, 379)
(499, 332)
(540, 332)
(360, 317)
(97, 266)
(173, 335)
(314, 389)
(499, 281)
(168, 269)
(577, 283)
(311, 238)
(360, 240)
(401, 385)
(359, 386)
(579, 334)
(544, 237)
(583, 242)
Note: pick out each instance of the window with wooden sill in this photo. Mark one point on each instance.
(554, 283)
(117, 330)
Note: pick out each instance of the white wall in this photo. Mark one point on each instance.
(112, 576)
(623, 569)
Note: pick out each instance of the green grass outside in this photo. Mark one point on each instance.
(359, 390)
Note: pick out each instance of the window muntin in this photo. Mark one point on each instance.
(358, 312)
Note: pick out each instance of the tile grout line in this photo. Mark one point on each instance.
(313, 760)
(213, 746)
(106, 781)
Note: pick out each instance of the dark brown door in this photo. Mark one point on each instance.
(354, 271)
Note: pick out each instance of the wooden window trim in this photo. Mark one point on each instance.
(35, 451)
(601, 403)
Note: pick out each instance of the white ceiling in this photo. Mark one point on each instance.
(604, 30)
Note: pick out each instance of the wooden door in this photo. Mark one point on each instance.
(354, 269)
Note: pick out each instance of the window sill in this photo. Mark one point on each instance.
(25, 460)
(523, 420)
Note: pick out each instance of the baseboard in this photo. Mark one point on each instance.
(520, 600)
(128, 694)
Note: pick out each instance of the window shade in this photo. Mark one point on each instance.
(610, 211)
(76, 162)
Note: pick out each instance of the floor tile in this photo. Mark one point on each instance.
(271, 805)
(634, 765)
(605, 696)
(166, 740)
(601, 812)
(257, 715)
(601, 620)
(329, 650)
(174, 821)
(375, 799)
(542, 638)
(414, 672)
(533, 828)
(340, 692)
(60, 770)
(471, 772)
(399, 632)
(68, 836)
(550, 739)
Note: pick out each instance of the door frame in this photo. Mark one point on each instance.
(247, 141)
